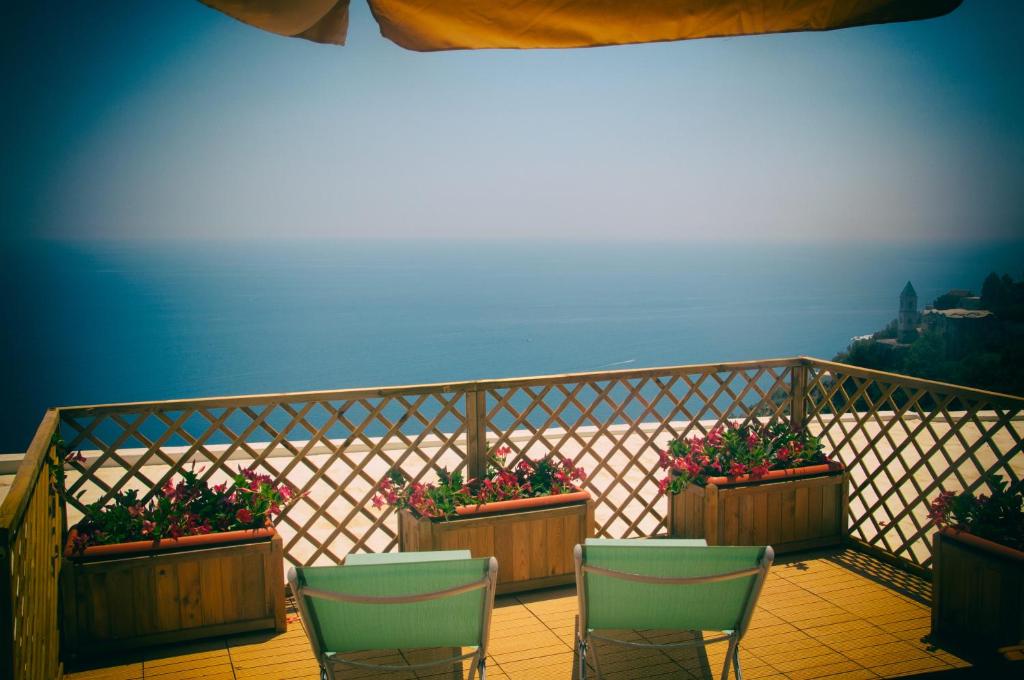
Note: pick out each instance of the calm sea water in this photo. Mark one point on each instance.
(105, 322)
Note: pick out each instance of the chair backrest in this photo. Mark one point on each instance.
(383, 618)
(611, 600)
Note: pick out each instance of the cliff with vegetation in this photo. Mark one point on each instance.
(970, 348)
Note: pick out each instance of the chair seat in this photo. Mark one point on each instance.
(362, 559)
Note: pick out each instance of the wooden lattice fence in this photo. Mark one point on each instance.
(902, 438)
(332, 447)
(31, 529)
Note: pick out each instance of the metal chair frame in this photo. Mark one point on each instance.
(328, 660)
(584, 635)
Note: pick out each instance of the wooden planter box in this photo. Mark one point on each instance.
(787, 509)
(532, 538)
(116, 597)
(977, 592)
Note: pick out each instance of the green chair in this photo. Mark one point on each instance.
(397, 600)
(670, 585)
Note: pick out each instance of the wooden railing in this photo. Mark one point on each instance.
(31, 527)
(333, 447)
(902, 439)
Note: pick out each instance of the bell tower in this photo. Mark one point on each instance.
(909, 318)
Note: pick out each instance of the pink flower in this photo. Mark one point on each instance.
(939, 509)
(752, 439)
(783, 455)
(663, 485)
(759, 470)
(378, 502)
(736, 469)
(243, 515)
(714, 437)
(664, 460)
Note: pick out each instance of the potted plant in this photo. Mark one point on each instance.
(978, 566)
(195, 561)
(757, 484)
(529, 516)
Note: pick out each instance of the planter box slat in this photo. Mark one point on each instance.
(118, 603)
(794, 513)
(977, 594)
(533, 547)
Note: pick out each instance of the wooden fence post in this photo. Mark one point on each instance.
(798, 396)
(6, 608)
(476, 433)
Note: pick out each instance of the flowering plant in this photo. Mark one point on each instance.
(186, 508)
(999, 517)
(526, 479)
(735, 450)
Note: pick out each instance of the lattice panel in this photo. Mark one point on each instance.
(614, 428)
(34, 567)
(904, 442)
(332, 450)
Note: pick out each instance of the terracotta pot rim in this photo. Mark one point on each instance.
(985, 544)
(166, 544)
(495, 507)
(776, 475)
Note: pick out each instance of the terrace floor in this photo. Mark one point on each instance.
(838, 614)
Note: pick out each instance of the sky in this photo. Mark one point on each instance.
(171, 120)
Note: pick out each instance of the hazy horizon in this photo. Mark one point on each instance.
(172, 120)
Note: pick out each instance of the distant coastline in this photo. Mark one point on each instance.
(961, 338)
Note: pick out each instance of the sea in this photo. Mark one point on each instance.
(111, 321)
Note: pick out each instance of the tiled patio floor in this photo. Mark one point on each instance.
(840, 615)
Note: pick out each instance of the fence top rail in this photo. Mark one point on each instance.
(12, 510)
(429, 388)
(1012, 401)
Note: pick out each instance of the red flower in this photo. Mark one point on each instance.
(737, 469)
(663, 485)
(378, 502)
(664, 459)
(759, 470)
(243, 515)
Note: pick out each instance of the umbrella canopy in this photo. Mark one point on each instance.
(430, 25)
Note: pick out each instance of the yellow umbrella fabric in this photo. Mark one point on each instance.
(322, 21)
(431, 25)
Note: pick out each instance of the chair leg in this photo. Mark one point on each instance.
(736, 662)
(478, 664)
(581, 656)
(592, 651)
(730, 655)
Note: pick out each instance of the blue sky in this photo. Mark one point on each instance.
(168, 120)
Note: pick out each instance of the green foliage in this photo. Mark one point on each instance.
(735, 450)
(189, 507)
(946, 301)
(889, 332)
(526, 479)
(997, 517)
(1003, 296)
